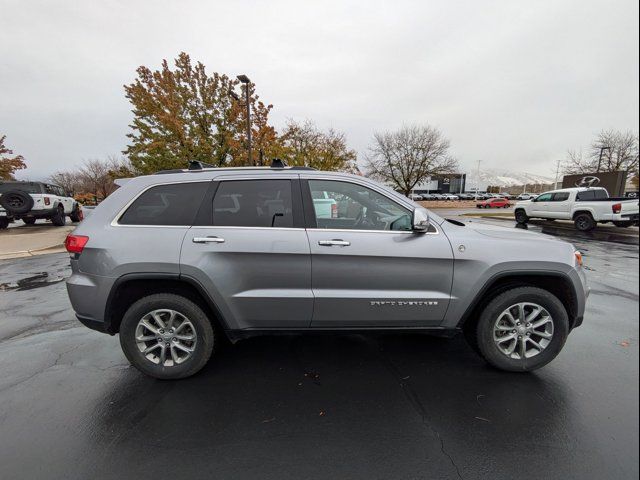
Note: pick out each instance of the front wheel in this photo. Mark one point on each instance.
(522, 329)
(76, 214)
(58, 218)
(521, 217)
(166, 336)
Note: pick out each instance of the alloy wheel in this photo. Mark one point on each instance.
(523, 330)
(166, 337)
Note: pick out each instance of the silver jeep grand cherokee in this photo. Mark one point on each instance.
(173, 261)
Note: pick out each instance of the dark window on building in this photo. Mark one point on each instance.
(253, 203)
(561, 196)
(173, 204)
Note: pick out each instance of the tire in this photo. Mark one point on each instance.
(4, 223)
(584, 222)
(16, 202)
(201, 328)
(76, 214)
(59, 219)
(492, 313)
(623, 224)
(29, 220)
(521, 217)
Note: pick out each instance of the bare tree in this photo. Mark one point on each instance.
(95, 177)
(98, 175)
(611, 151)
(406, 157)
(69, 180)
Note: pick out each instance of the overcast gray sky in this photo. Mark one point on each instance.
(514, 83)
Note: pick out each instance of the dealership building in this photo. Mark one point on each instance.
(445, 183)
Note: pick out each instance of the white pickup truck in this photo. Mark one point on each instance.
(585, 206)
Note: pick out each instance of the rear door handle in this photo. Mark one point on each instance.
(208, 240)
(332, 243)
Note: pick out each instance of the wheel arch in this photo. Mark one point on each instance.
(580, 211)
(131, 287)
(557, 283)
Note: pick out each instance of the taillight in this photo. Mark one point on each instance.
(334, 211)
(47, 201)
(578, 256)
(616, 208)
(75, 243)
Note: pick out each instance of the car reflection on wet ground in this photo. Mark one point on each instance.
(325, 406)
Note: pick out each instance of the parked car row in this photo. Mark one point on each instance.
(469, 196)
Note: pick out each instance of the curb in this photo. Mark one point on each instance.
(32, 253)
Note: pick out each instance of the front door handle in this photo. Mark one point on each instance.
(208, 240)
(332, 243)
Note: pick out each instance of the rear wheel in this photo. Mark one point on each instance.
(623, 224)
(4, 223)
(59, 219)
(522, 329)
(521, 217)
(584, 222)
(166, 336)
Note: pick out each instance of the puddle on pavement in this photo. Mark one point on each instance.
(29, 283)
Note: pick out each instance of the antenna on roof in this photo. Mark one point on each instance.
(278, 163)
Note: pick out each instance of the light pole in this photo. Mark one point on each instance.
(245, 80)
(555, 184)
(602, 149)
(478, 179)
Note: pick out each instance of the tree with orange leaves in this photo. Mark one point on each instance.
(9, 164)
(185, 114)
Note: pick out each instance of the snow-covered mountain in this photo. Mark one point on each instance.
(505, 178)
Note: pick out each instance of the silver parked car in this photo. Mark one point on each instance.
(173, 262)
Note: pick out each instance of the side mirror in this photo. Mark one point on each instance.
(420, 221)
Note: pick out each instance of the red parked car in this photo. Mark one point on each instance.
(494, 203)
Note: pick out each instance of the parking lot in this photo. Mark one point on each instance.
(325, 406)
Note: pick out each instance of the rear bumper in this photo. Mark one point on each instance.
(88, 295)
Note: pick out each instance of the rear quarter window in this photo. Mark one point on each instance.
(23, 187)
(172, 204)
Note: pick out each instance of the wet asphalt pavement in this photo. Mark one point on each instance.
(332, 406)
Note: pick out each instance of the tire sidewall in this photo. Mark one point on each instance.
(590, 225)
(521, 216)
(26, 206)
(201, 324)
(490, 314)
(59, 219)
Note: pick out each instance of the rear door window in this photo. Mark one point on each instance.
(172, 204)
(253, 203)
(561, 197)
